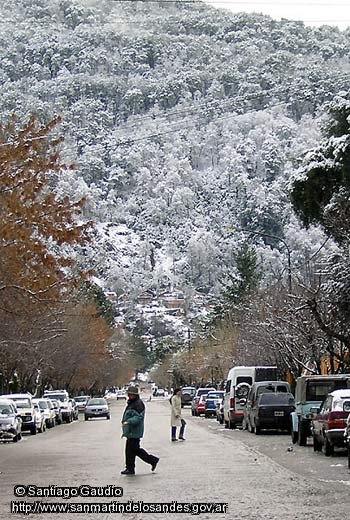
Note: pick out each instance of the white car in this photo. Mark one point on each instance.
(31, 419)
(97, 407)
(10, 421)
(81, 401)
(48, 411)
(65, 404)
(121, 394)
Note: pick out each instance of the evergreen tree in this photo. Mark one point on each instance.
(322, 194)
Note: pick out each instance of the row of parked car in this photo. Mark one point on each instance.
(23, 412)
(320, 408)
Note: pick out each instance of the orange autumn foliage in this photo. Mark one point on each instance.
(34, 223)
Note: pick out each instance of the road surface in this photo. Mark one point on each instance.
(257, 477)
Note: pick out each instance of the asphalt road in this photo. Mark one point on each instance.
(256, 476)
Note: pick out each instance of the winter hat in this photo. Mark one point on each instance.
(133, 390)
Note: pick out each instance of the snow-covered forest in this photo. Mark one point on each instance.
(188, 127)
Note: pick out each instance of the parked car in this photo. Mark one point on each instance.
(97, 407)
(121, 394)
(210, 402)
(347, 438)
(220, 410)
(110, 395)
(75, 409)
(57, 408)
(81, 401)
(204, 390)
(10, 421)
(238, 382)
(187, 395)
(329, 422)
(199, 392)
(39, 418)
(272, 412)
(48, 411)
(65, 404)
(200, 405)
(194, 405)
(31, 419)
(258, 388)
(310, 392)
(160, 392)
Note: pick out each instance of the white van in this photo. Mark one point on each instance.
(239, 381)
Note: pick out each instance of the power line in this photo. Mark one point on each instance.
(128, 142)
(209, 105)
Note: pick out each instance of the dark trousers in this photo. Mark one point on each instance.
(133, 450)
(182, 430)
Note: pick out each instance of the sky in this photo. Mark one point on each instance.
(311, 12)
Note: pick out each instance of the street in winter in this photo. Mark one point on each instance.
(174, 240)
(258, 477)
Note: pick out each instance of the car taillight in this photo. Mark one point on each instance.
(232, 403)
(337, 420)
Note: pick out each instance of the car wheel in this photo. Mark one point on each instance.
(226, 424)
(86, 418)
(108, 416)
(33, 430)
(328, 448)
(15, 439)
(232, 425)
(302, 433)
(257, 429)
(317, 443)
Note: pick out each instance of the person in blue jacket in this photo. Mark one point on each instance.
(133, 428)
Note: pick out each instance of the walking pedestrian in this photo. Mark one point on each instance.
(176, 418)
(133, 428)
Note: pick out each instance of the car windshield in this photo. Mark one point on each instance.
(271, 388)
(202, 391)
(96, 401)
(80, 399)
(276, 398)
(188, 391)
(5, 410)
(214, 395)
(22, 403)
(59, 397)
(318, 390)
(43, 405)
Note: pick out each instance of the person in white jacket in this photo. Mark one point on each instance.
(176, 418)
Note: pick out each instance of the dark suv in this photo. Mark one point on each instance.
(272, 412)
(187, 394)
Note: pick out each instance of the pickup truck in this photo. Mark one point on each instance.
(310, 392)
